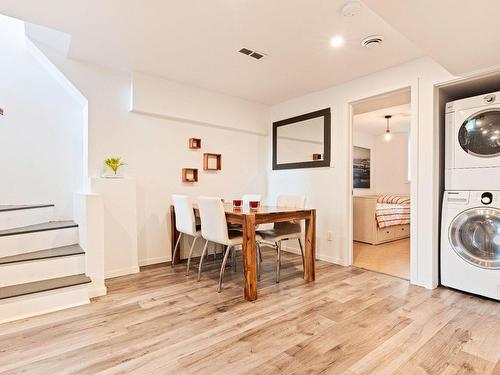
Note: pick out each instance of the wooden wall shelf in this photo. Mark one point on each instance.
(194, 143)
(212, 162)
(189, 175)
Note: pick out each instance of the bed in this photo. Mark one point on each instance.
(379, 219)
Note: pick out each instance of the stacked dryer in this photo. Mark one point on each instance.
(470, 231)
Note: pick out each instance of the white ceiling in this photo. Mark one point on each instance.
(374, 122)
(196, 41)
(461, 35)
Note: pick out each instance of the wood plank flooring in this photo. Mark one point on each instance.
(391, 258)
(350, 321)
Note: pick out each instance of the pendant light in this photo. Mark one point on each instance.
(388, 135)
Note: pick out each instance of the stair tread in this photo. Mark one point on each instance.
(16, 207)
(43, 254)
(51, 225)
(43, 285)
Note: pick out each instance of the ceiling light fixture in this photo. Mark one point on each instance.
(336, 41)
(387, 135)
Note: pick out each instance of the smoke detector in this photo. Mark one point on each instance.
(372, 41)
(351, 8)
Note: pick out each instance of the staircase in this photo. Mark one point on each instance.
(42, 267)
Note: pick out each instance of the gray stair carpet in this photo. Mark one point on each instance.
(52, 225)
(55, 252)
(43, 286)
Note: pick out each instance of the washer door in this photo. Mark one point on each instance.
(479, 134)
(475, 236)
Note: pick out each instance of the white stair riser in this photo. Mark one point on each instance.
(28, 242)
(25, 272)
(40, 303)
(23, 218)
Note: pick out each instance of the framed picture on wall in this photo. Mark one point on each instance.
(361, 168)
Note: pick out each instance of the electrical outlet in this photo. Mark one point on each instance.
(329, 235)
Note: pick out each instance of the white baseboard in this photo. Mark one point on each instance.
(97, 291)
(329, 259)
(121, 272)
(149, 261)
(325, 258)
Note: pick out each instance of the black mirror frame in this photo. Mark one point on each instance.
(325, 162)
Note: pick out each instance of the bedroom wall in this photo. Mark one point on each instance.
(329, 190)
(390, 166)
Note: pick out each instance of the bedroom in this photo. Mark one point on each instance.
(381, 183)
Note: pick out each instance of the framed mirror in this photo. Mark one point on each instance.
(302, 141)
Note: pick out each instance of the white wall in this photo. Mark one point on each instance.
(160, 97)
(41, 117)
(329, 189)
(155, 148)
(390, 166)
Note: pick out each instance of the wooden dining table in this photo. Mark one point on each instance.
(249, 218)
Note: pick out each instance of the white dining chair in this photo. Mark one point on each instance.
(185, 223)
(287, 230)
(214, 229)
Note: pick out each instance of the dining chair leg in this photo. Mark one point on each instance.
(301, 252)
(176, 248)
(190, 253)
(222, 268)
(259, 261)
(278, 263)
(201, 260)
(234, 259)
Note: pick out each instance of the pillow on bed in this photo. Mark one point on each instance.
(393, 199)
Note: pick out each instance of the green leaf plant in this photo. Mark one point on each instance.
(114, 163)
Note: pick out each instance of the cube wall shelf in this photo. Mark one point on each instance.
(212, 162)
(194, 143)
(189, 175)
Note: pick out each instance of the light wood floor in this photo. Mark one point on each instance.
(350, 321)
(392, 258)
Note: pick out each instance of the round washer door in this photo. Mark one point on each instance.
(479, 134)
(475, 236)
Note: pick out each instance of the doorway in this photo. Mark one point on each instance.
(381, 183)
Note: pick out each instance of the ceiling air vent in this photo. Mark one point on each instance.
(372, 41)
(256, 55)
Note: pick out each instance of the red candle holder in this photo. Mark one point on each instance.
(254, 204)
(237, 203)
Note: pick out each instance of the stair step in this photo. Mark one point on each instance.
(43, 286)
(17, 207)
(17, 216)
(43, 254)
(52, 225)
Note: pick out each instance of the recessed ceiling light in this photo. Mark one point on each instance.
(336, 41)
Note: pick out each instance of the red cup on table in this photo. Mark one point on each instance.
(254, 204)
(237, 203)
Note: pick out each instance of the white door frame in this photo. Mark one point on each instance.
(413, 86)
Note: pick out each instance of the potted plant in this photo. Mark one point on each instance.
(113, 164)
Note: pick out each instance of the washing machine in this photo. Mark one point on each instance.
(472, 143)
(470, 242)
